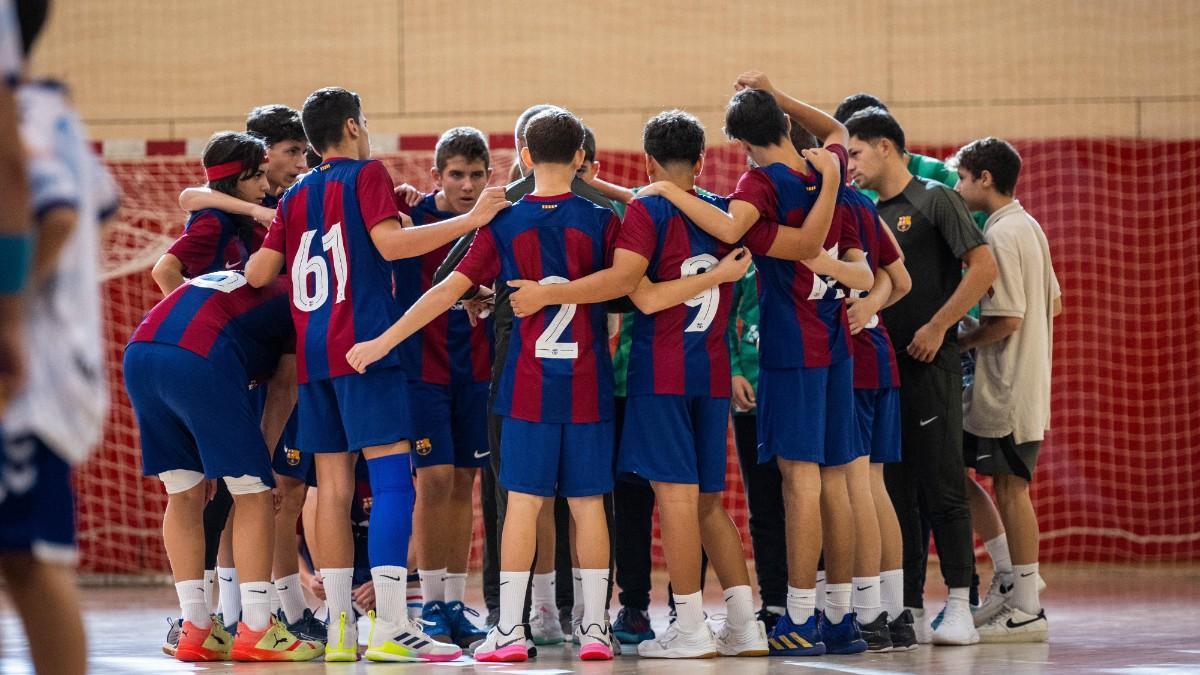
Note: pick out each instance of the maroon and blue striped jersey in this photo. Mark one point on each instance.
(558, 368)
(800, 326)
(448, 350)
(220, 316)
(680, 350)
(874, 357)
(341, 285)
(210, 243)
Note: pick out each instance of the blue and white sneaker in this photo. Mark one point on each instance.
(435, 620)
(843, 637)
(307, 627)
(788, 639)
(463, 631)
(632, 626)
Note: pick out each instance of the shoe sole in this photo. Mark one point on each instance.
(340, 656)
(633, 638)
(189, 656)
(747, 653)
(269, 657)
(951, 643)
(813, 651)
(513, 654)
(669, 655)
(386, 657)
(169, 650)
(1029, 636)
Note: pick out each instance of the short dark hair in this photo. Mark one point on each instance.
(234, 146)
(674, 137)
(802, 139)
(276, 123)
(523, 119)
(325, 113)
(872, 124)
(754, 116)
(31, 15)
(553, 136)
(855, 102)
(994, 155)
(589, 144)
(466, 142)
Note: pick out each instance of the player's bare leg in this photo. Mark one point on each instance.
(742, 634)
(335, 475)
(461, 519)
(229, 597)
(802, 500)
(592, 545)
(837, 525)
(308, 519)
(1020, 521)
(891, 563)
(1021, 618)
(678, 508)
(866, 596)
(985, 518)
(432, 529)
(285, 567)
(185, 509)
(48, 602)
(543, 614)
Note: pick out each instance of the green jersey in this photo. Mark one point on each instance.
(743, 331)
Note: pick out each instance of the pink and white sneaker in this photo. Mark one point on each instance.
(596, 643)
(501, 647)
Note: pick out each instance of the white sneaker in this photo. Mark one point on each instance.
(544, 626)
(997, 596)
(576, 627)
(343, 640)
(596, 643)
(577, 635)
(1013, 625)
(406, 641)
(676, 644)
(500, 647)
(957, 626)
(921, 626)
(747, 640)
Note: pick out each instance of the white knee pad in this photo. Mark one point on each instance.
(245, 485)
(180, 480)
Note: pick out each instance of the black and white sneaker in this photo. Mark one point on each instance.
(902, 632)
(877, 634)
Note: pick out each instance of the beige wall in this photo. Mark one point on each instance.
(950, 69)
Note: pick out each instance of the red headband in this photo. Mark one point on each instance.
(225, 170)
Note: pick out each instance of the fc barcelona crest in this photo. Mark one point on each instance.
(424, 446)
(293, 457)
(903, 223)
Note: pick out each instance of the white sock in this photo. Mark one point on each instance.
(801, 603)
(595, 590)
(866, 598)
(891, 592)
(230, 600)
(456, 586)
(256, 604)
(210, 581)
(291, 597)
(998, 551)
(576, 594)
(433, 585)
(416, 601)
(543, 590)
(821, 591)
(337, 581)
(837, 601)
(959, 599)
(192, 605)
(512, 599)
(273, 596)
(1025, 593)
(689, 611)
(739, 607)
(391, 592)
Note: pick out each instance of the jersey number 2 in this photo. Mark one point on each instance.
(303, 267)
(547, 345)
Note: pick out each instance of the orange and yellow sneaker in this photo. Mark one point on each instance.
(274, 643)
(203, 644)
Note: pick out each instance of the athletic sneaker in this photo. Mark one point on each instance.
(747, 640)
(577, 630)
(1014, 625)
(308, 627)
(462, 630)
(876, 633)
(273, 643)
(203, 644)
(768, 619)
(843, 637)
(789, 639)
(921, 626)
(174, 626)
(501, 647)
(998, 595)
(405, 641)
(633, 626)
(343, 640)
(437, 621)
(544, 626)
(676, 644)
(596, 643)
(956, 627)
(230, 628)
(902, 633)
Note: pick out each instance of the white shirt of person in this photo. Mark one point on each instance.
(65, 398)
(1011, 391)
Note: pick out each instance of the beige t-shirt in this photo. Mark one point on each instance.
(1011, 391)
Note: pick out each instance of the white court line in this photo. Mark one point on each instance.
(845, 669)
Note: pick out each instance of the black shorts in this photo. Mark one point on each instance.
(1000, 456)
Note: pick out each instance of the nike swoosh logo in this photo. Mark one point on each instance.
(388, 576)
(284, 588)
(254, 591)
(1010, 623)
(863, 588)
(983, 457)
(481, 455)
(924, 422)
(230, 579)
(1029, 574)
(502, 645)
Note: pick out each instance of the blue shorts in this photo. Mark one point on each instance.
(547, 459)
(289, 461)
(676, 439)
(195, 414)
(450, 423)
(37, 501)
(807, 414)
(353, 412)
(879, 424)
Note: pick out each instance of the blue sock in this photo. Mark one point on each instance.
(391, 511)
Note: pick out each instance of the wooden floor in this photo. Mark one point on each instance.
(1102, 619)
